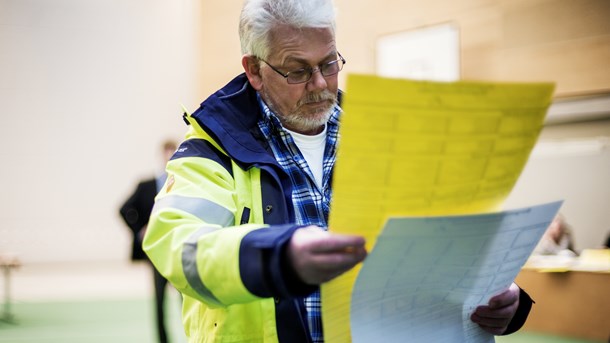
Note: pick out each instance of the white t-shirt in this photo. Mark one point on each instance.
(312, 148)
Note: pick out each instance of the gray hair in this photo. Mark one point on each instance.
(260, 17)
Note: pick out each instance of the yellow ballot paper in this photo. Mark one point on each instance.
(424, 148)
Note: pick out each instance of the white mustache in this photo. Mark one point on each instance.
(317, 97)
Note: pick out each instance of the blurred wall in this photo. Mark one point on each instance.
(571, 162)
(523, 40)
(89, 89)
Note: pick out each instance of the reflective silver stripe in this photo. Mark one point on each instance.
(204, 209)
(189, 265)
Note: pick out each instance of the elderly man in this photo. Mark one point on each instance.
(240, 226)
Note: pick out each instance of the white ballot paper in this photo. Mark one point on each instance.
(426, 275)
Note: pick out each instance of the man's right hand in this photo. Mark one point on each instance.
(318, 256)
(142, 232)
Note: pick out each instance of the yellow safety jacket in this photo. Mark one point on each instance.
(220, 225)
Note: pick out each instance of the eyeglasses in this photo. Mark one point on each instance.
(304, 74)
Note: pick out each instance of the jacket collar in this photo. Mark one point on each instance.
(230, 116)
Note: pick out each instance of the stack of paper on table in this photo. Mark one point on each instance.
(589, 260)
(413, 148)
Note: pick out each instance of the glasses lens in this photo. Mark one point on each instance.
(299, 76)
(331, 68)
(303, 75)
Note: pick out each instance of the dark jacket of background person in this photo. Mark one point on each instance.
(136, 211)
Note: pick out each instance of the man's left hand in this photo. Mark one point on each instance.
(495, 317)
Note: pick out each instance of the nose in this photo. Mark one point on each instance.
(317, 80)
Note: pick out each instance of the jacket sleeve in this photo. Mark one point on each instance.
(272, 276)
(195, 236)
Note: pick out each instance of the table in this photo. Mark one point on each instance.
(572, 303)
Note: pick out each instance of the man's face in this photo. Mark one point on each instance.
(303, 107)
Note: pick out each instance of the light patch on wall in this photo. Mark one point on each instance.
(430, 53)
(571, 147)
(576, 109)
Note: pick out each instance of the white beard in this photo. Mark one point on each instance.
(301, 122)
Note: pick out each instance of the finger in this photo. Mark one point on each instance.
(325, 267)
(502, 312)
(315, 239)
(490, 321)
(338, 260)
(494, 325)
(503, 300)
(506, 298)
(338, 243)
(493, 330)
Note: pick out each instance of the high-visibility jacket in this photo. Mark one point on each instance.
(220, 223)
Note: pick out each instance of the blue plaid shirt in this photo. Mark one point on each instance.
(311, 204)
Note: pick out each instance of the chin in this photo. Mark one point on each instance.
(308, 122)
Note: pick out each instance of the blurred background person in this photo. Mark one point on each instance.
(557, 239)
(135, 212)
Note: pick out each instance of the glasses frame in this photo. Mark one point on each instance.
(309, 69)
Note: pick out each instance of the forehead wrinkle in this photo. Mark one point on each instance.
(291, 43)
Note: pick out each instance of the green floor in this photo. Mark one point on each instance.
(530, 337)
(115, 321)
(128, 321)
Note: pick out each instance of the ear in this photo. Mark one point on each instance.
(253, 71)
